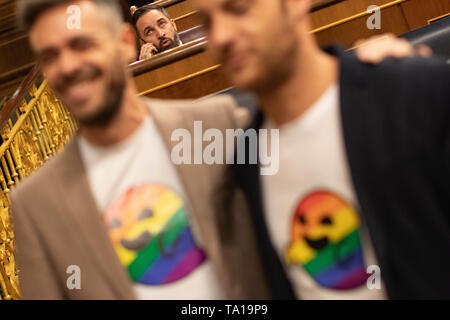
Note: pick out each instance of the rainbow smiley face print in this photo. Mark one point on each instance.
(150, 232)
(325, 241)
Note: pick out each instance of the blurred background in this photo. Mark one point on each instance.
(34, 124)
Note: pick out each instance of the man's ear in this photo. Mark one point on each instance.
(174, 24)
(128, 42)
(296, 10)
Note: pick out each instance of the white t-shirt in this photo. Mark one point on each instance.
(312, 211)
(150, 224)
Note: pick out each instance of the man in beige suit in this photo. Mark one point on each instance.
(115, 182)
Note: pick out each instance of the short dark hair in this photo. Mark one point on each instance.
(29, 10)
(147, 8)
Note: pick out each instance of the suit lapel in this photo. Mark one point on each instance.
(356, 100)
(75, 190)
(196, 180)
(248, 177)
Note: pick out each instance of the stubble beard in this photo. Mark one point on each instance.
(111, 101)
(173, 43)
(276, 71)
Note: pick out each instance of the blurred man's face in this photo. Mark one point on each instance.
(155, 28)
(84, 67)
(253, 40)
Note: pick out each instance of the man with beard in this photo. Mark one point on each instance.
(156, 29)
(364, 152)
(112, 206)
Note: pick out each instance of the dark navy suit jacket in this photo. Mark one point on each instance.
(396, 126)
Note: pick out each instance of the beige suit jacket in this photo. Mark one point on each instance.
(57, 223)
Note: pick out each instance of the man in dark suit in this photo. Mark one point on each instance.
(359, 206)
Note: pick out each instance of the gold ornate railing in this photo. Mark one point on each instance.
(34, 126)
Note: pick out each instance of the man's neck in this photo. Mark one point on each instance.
(314, 72)
(130, 116)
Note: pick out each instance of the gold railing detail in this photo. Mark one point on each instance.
(36, 131)
(438, 18)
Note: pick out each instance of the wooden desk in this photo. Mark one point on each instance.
(186, 72)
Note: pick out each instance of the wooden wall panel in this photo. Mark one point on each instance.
(177, 9)
(9, 87)
(187, 21)
(345, 22)
(342, 10)
(15, 54)
(16, 60)
(194, 88)
(418, 12)
(7, 16)
(392, 20)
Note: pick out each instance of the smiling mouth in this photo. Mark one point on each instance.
(138, 243)
(317, 244)
(78, 93)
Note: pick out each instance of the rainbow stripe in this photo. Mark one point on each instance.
(339, 265)
(325, 241)
(151, 266)
(150, 231)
